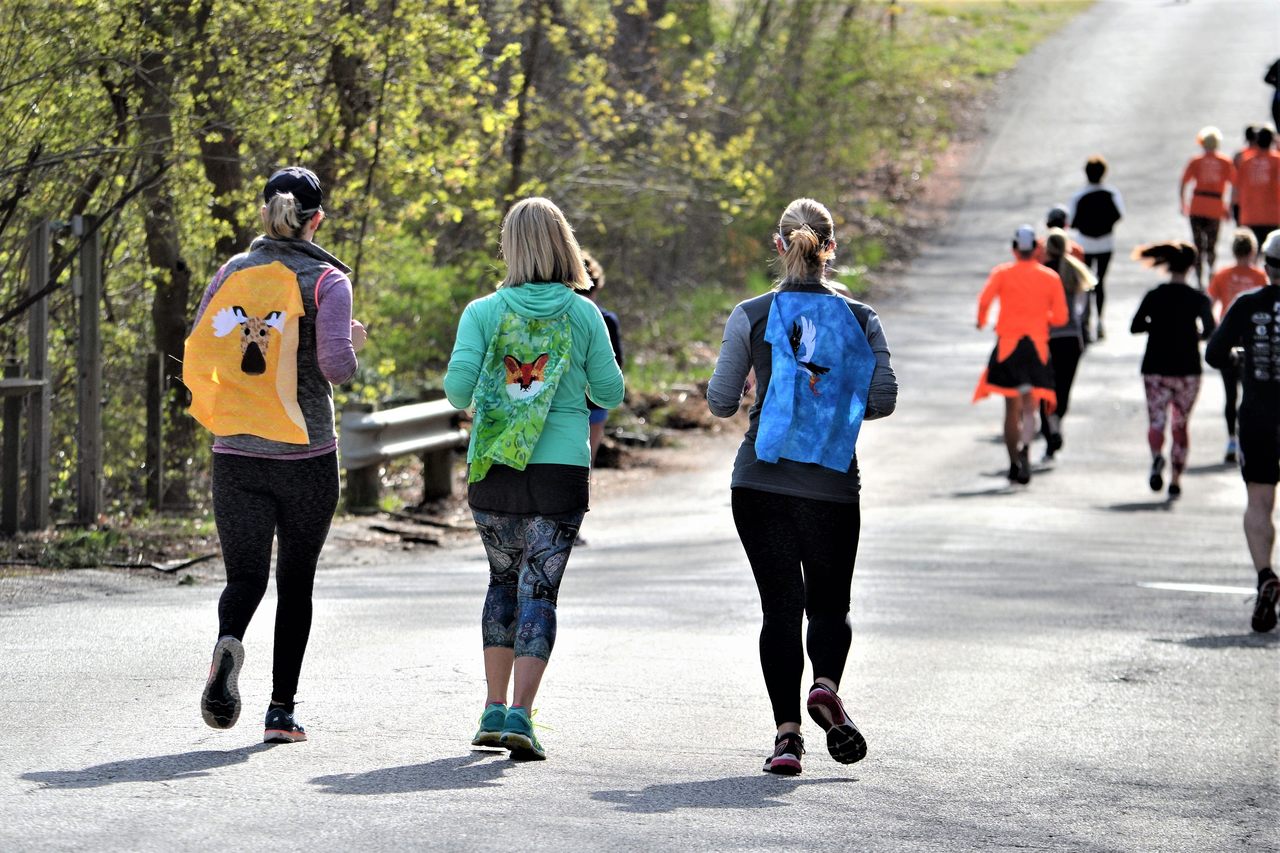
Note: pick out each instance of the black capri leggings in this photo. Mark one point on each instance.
(255, 500)
(802, 553)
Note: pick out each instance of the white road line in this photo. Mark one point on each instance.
(1201, 587)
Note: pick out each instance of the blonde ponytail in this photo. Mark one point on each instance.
(805, 231)
(283, 219)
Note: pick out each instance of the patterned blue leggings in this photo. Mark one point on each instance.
(527, 558)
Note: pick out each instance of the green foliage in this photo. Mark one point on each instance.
(83, 549)
(672, 133)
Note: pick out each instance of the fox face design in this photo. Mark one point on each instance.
(255, 338)
(525, 380)
(803, 340)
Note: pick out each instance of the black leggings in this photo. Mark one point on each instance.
(1064, 358)
(802, 553)
(1098, 262)
(1231, 387)
(255, 500)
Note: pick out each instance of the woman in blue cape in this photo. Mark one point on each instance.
(821, 366)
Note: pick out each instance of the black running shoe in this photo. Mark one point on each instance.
(220, 702)
(845, 743)
(785, 761)
(281, 727)
(1024, 466)
(1175, 491)
(1264, 610)
(1052, 444)
(1157, 480)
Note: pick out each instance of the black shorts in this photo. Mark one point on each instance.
(1022, 371)
(1259, 448)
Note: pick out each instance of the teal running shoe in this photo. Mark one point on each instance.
(518, 736)
(491, 724)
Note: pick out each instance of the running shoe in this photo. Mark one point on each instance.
(1157, 480)
(491, 723)
(1175, 491)
(220, 702)
(845, 743)
(1053, 443)
(1024, 466)
(1264, 609)
(785, 760)
(1232, 450)
(517, 736)
(281, 727)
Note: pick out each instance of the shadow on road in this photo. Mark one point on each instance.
(155, 768)
(735, 792)
(1226, 641)
(1216, 468)
(1142, 506)
(445, 774)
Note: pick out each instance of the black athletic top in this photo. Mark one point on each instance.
(1168, 315)
(1253, 322)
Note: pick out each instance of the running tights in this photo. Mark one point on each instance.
(1064, 358)
(527, 558)
(802, 553)
(1098, 262)
(1231, 386)
(1165, 393)
(254, 501)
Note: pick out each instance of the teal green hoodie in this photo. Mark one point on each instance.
(592, 370)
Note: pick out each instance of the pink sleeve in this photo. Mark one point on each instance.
(334, 352)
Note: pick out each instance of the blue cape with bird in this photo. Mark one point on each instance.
(822, 366)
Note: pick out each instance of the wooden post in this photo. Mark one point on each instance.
(11, 462)
(39, 414)
(155, 430)
(89, 376)
(362, 483)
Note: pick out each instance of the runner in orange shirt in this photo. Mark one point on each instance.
(1031, 300)
(1250, 131)
(1223, 290)
(1259, 183)
(1057, 218)
(1210, 173)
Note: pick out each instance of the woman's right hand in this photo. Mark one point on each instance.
(359, 335)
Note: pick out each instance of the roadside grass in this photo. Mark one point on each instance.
(135, 540)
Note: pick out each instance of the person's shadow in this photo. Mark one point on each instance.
(155, 768)
(735, 792)
(1226, 641)
(445, 774)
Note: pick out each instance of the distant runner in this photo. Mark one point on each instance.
(1066, 341)
(1223, 290)
(1031, 300)
(1253, 324)
(822, 367)
(1208, 174)
(1259, 181)
(1057, 218)
(1093, 213)
(1175, 317)
(1250, 133)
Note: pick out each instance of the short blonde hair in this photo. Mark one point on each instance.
(1210, 138)
(806, 230)
(538, 245)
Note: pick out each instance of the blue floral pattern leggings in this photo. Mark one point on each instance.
(527, 559)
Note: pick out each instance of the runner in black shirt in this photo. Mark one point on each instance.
(1253, 324)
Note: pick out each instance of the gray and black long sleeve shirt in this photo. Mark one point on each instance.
(745, 348)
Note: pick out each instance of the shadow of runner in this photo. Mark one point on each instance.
(155, 768)
(735, 792)
(1226, 641)
(445, 774)
(1142, 506)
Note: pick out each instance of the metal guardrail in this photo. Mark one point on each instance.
(369, 438)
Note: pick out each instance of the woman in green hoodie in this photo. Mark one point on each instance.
(529, 356)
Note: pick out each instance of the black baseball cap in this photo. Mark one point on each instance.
(301, 183)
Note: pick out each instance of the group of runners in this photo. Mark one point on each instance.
(534, 359)
(1044, 326)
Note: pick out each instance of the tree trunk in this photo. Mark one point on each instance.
(171, 274)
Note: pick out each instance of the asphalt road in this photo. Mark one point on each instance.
(1018, 684)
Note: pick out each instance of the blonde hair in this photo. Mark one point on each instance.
(538, 245)
(806, 231)
(1210, 138)
(283, 219)
(1076, 277)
